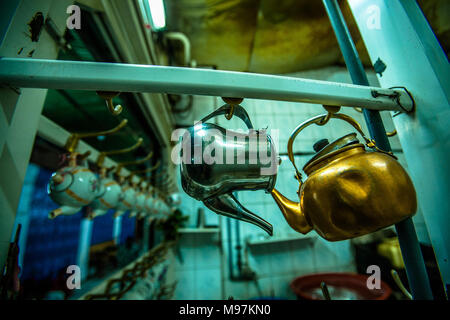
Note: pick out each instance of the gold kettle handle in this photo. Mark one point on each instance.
(320, 121)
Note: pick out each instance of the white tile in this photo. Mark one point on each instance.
(325, 257)
(342, 251)
(263, 288)
(208, 284)
(260, 260)
(302, 257)
(211, 218)
(281, 259)
(281, 286)
(185, 289)
(207, 255)
(187, 251)
(237, 290)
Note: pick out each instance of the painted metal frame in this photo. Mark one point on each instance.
(76, 75)
(19, 122)
(409, 243)
(397, 33)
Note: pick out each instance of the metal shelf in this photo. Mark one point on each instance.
(198, 230)
(278, 240)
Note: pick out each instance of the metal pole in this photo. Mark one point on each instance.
(120, 77)
(415, 267)
(84, 243)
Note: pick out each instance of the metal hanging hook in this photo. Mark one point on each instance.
(133, 173)
(74, 138)
(148, 169)
(160, 174)
(331, 110)
(129, 163)
(399, 283)
(392, 133)
(231, 102)
(108, 96)
(103, 154)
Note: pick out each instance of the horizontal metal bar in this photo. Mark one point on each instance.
(80, 75)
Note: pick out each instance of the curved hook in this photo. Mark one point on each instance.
(148, 169)
(331, 110)
(72, 141)
(399, 283)
(129, 163)
(231, 102)
(392, 133)
(108, 96)
(103, 154)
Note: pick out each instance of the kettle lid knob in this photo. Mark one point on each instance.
(319, 145)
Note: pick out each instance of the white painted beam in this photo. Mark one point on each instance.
(77, 75)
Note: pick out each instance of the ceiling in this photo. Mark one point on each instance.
(273, 36)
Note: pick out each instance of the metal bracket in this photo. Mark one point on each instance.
(396, 96)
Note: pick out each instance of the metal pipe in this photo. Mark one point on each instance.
(101, 76)
(186, 45)
(238, 246)
(409, 243)
(230, 250)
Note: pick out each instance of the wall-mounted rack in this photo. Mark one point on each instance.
(251, 242)
(80, 75)
(198, 230)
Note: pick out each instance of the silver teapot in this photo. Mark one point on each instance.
(231, 165)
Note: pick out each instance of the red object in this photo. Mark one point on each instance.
(307, 287)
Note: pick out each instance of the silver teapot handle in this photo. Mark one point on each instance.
(237, 110)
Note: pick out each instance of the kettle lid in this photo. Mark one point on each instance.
(322, 147)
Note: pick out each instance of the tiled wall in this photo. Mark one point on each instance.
(204, 273)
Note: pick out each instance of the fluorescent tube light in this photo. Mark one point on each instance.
(157, 14)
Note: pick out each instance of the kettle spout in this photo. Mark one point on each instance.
(228, 205)
(118, 213)
(63, 210)
(98, 213)
(133, 214)
(292, 212)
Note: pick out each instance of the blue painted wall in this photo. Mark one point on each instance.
(51, 245)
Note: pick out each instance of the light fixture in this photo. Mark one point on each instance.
(156, 14)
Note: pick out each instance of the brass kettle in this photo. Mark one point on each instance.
(350, 191)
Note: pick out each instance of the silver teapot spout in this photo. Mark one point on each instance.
(228, 205)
